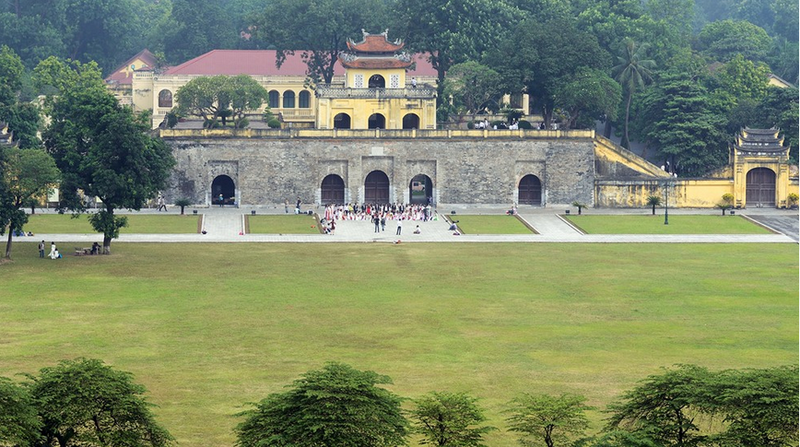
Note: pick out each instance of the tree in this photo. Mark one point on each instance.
(336, 405)
(11, 70)
(654, 201)
(104, 151)
(632, 72)
(663, 407)
(724, 39)
(677, 116)
(473, 87)
(548, 420)
(588, 95)
(183, 203)
(449, 420)
(319, 29)
(218, 97)
(195, 27)
(26, 174)
(19, 423)
(85, 403)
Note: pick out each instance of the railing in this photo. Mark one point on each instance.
(378, 93)
(377, 133)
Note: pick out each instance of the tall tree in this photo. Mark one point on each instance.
(473, 87)
(336, 405)
(196, 27)
(632, 72)
(318, 29)
(27, 174)
(104, 151)
(449, 420)
(213, 97)
(723, 40)
(85, 403)
(549, 420)
(587, 96)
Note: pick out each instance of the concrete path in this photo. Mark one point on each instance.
(225, 225)
(788, 225)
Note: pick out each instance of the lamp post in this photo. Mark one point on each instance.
(666, 202)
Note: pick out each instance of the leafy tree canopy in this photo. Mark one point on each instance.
(587, 96)
(85, 403)
(548, 420)
(723, 40)
(336, 405)
(216, 97)
(449, 420)
(19, 423)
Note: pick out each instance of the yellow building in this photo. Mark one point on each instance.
(377, 93)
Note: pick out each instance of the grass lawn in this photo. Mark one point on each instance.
(209, 327)
(137, 223)
(282, 224)
(678, 224)
(494, 224)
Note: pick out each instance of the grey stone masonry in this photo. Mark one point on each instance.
(462, 171)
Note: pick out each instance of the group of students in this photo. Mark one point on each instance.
(384, 212)
(55, 254)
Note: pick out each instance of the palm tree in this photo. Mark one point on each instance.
(653, 201)
(632, 72)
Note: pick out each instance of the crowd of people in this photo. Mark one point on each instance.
(381, 212)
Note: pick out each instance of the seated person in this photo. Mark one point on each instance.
(453, 227)
(417, 230)
(95, 248)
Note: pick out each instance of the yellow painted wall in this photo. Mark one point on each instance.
(682, 193)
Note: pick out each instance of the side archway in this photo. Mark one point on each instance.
(223, 190)
(377, 81)
(420, 190)
(411, 121)
(341, 121)
(376, 187)
(377, 121)
(530, 190)
(332, 190)
(760, 184)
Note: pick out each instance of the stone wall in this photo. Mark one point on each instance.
(463, 171)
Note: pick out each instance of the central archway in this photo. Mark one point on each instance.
(341, 121)
(376, 81)
(760, 187)
(530, 190)
(420, 190)
(376, 188)
(223, 186)
(332, 190)
(411, 121)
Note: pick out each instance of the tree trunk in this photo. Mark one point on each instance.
(8, 244)
(106, 245)
(626, 143)
(654, 210)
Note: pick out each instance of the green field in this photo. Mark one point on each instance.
(209, 327)
(282, 224)
(137, 223)
(678, 224)
(494, 224)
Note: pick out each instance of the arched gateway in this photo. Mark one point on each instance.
(223, 185)
(530, 190)
(760, 187)
(332, 190)
(376, 188)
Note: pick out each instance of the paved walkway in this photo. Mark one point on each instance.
(225, 225)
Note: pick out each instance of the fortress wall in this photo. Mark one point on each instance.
(467, 171)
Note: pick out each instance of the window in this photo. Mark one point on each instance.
(288, 99)
(304, 99)
(165, 98)
(274, 99)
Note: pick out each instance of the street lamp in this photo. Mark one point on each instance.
(666, 202)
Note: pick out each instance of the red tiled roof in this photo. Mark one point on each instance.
(124, 74)
(249, 62)
(422, 67)
(376, 63)
(375, 43)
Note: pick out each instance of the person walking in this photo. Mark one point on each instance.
(41, 249)
(399, 226)
(221, 200)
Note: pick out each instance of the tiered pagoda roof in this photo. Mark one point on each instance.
(375, 52)
(759, 140)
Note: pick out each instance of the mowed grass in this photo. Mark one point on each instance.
(282, 224)
(137, 223)
(493, 224)
(208, 328)
(678, 224)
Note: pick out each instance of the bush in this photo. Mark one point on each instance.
(728, 198)
(793, 199)
(470, 125)
(274, 124)
(525, 125)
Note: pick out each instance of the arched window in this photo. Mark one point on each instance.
(274, 99)
(530, 190)
(341, 121)
(411, 121)
(304, 99)
(288, 99)
(377, 81)
(165, 98)
(332, 190)
(377, 121)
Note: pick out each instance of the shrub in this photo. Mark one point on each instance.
(525, 125)
(274, 124)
